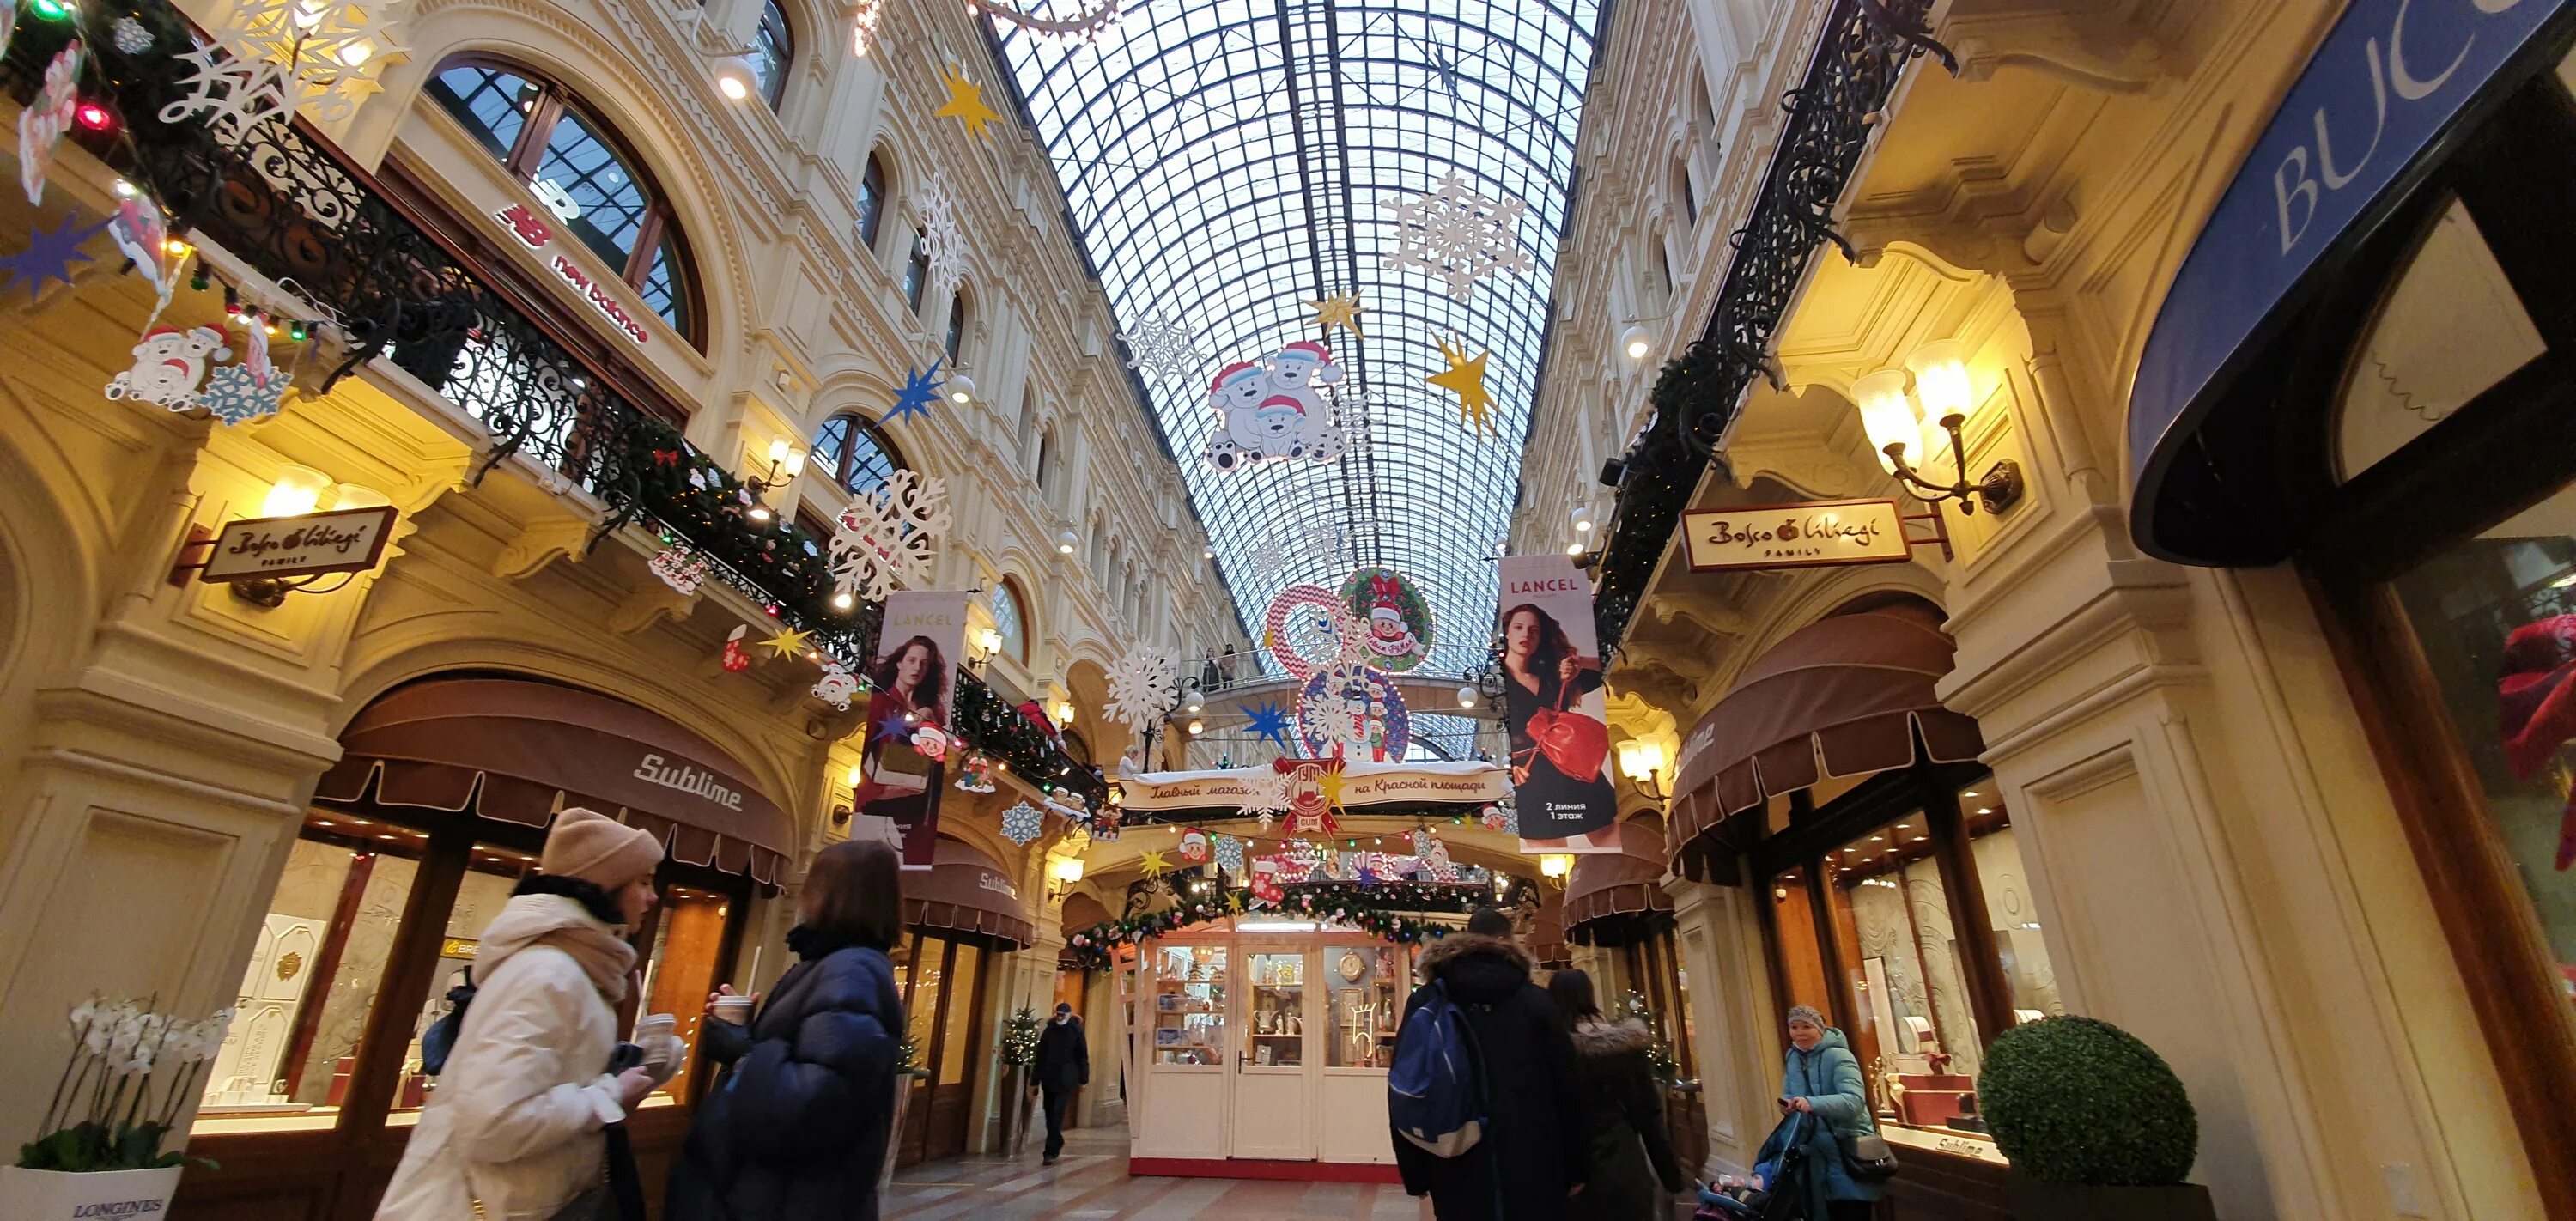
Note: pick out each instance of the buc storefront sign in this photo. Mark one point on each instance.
(310, 544)
(1808, 535)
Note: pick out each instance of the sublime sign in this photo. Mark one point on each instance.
(688, 780)
(2388, 81)
(1796, 536)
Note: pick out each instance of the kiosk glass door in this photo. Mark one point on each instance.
(1271, 1094)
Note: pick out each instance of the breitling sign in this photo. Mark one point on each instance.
(1796, 536)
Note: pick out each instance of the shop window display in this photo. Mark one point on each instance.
(1189, 1004)
(680, 969)
(1366, 995)
(313, 977)
(2012, 911)
(1917, 1036)
(1277, 1016)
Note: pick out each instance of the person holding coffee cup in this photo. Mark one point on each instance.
(800, 1126)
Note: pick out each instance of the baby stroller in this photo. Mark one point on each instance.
(1783, 1196)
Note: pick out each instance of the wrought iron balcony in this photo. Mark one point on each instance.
(387, 269)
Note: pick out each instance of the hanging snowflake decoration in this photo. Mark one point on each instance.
(1265, 792)
(131, 37)
(1165, 347)
(328, 52)
(1457, 235)
(837, 686)
(885, 539)
(1141, 688)
(237, 395)
(1227, 852)
(681, 567)
(236, 94)
(943, 243)
(1023, 823)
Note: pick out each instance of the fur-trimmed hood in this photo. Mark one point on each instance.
(1448, 949)
(1605, 1039)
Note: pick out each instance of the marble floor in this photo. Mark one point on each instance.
(1090, 1182)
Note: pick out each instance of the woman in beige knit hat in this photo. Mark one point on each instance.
(515, 1129)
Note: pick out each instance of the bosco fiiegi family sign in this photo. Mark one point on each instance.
(306, 545)
(1811, 535)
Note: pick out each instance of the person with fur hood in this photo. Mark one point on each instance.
(1616, 1102)
(1533, 1154)
(516, 1129)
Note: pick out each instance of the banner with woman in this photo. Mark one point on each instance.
(910, 690)
(1553, 707)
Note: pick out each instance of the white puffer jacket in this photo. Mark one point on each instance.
(515, 1119)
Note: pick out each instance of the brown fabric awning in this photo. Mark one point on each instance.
(965, 896)
(1606, 884)
(1547, 935)
(1840, 697)
(518, 751)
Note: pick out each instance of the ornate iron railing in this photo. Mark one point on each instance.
(286, 203)
(1864, 50)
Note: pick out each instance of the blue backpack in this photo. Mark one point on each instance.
(1435, 1093)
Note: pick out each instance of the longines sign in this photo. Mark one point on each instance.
(270, 548)
(1796, 536)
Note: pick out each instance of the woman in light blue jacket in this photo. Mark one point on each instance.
(1822, 1079)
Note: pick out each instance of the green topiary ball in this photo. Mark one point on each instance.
(2081, 1102)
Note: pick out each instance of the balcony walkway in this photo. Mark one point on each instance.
(1090, 1183)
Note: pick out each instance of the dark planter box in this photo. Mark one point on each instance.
(2051, 1202)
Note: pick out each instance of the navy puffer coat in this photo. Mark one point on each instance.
(798, 1126)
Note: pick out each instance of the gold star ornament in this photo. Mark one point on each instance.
(1343, 311)
(1465, 378)
(965, 103)
(1155, 864)
(787, 643)
(1234, 901)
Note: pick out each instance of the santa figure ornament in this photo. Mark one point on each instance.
(169, 363)
(1194, 845)
(1389, 637)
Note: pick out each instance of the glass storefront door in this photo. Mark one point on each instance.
(1273, 1089)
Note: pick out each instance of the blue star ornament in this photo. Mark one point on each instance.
(920, 390)
(1270, 720)
(49, 256)
(894, 728)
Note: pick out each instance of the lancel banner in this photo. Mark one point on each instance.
(1552, 704)
(910, 690)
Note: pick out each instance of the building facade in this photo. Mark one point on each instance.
(2242, 797)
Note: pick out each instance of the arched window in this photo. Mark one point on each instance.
(1028, 423)
(580, 172)
(1010, 619)
(773, 54)
(853, 452)
(956, 341)
(916, 270)
(1682, 187)
(1047, 464)
(872, 197)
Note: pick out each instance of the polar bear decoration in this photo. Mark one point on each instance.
(168, 365)
(1275, 410)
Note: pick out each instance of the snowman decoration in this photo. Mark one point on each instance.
(168, 365)
(1275, 410)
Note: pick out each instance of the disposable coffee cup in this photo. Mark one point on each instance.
(734, 1009)
(655, 1025)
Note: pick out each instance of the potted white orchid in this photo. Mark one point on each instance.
(132, 1072)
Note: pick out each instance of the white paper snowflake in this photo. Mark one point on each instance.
(236, 395)
(235, 93)
(1165, 347)
(1265, 792)
(1273, 562)
(885, 539)
(1227, 851)
(942, 241)
(837, 686)
(331, 51)
(131, 37)
(1140, 688)
(1023, 823)
(1457, 235)
(1321, 717)
(681, 567)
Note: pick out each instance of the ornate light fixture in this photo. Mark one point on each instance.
(1641, 760)
(786, 462)
(1941, 395)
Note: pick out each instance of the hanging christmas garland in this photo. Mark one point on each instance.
(1381, 911)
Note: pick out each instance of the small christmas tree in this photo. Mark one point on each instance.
(1020, 1037)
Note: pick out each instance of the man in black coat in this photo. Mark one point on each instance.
(1063, 1065)
(1533, 1155)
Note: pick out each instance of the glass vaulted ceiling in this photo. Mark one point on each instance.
(1226, 161)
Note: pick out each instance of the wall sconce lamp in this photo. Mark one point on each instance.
(1636, 342)
(1941, 396)
(786, 462)
(1062, 871)
(1466, 697)
(1063, 712)
(1641, 760)
(1064, 543)
(986, 643)
(961, 388)
(1555, 865)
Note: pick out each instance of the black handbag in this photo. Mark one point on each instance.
(1867, 1158)
(440, 1038)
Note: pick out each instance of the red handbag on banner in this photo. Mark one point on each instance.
(1576, 744)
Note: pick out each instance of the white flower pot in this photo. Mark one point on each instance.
(107, 1195)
